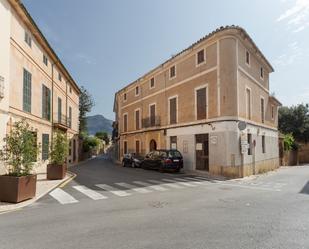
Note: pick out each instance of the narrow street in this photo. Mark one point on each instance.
(107, 206)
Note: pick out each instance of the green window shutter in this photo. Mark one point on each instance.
(45, 102)
(45, 146)
(27, 91)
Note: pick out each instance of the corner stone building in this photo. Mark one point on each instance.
(34, 84)
(211, 102)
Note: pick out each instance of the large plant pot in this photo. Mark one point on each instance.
(17, 189)
(56, 172)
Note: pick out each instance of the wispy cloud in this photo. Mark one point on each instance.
(297, 16)
(85, 58)
(293, 54)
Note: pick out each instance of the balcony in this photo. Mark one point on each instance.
(62, 122)
(150, 122)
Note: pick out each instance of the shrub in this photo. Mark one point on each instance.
(20, 150)
(90, 143)
(59, 150)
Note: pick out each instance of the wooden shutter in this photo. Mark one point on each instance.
(173, 111)
(201, 110)
(137, 120)
(45, 146)
(125, 123)
(137, 147)
(152, 115)
(27, 91)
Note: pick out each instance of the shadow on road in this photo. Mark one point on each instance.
(305, 189)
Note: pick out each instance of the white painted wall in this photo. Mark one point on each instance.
(5, 33)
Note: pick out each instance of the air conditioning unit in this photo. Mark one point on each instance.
(1, 87)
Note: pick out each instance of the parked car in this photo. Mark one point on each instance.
(132, 160)
(163, 160)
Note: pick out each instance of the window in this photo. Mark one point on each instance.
(27, 91)
(262, 110)
(59, 110)
(125, 122)
(201, 57)
(45, 146)
(70, 117)
(136, 91)
(45, 60)
(152, 112)
(173, 72)
(137, 119)
(124, 97)
(201, 103)
(59, 77)
(249, 144)
(272, 112)
(46, 102)
(70, 89)
(137, 147)
(152, 82)
(247, 58)
(248, 103)
(28, 39)
(173, 142)
(125, 147)
(173, 110)
(262, 73)
(263, 145)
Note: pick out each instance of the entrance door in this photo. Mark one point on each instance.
(152, 145)
(202, 151)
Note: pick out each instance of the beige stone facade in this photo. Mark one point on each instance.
(25, 49)
(234, 77)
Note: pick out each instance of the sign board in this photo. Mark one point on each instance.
(244, 146)
(214, 139)
(199, 146)
(173, 146)
(185, 146)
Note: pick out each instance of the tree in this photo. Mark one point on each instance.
(59, 150)
(85, 105)
(20, 149)
(295, 120)
(103, 136)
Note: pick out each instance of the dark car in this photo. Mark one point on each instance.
(163, 160)
(132, 160)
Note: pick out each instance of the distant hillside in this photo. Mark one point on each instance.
(99, 123)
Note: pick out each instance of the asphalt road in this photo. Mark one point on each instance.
(108, 206)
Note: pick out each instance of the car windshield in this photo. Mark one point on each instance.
(174, 153)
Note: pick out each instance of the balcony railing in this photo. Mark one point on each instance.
(149, 122)
(62, 121)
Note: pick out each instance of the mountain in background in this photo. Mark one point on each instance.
(98, 123)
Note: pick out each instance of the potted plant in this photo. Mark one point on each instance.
(57, 168)
(19, 154)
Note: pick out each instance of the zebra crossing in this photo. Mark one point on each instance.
(125, 189)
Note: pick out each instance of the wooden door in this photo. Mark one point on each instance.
(202, 151)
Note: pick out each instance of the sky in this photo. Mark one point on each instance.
(106, 45)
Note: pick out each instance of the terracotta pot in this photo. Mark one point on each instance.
(17, 189)
(56, 172)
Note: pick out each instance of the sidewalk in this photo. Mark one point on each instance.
(42, 188)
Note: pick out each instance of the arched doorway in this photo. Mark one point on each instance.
(153, 145)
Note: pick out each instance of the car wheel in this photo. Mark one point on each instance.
(177, 170)
(133, 165)
(161, 170)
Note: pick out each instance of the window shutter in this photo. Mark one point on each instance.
(173, 111)
(201, 111)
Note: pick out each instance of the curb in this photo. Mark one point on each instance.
(60, 185)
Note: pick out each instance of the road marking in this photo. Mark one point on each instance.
(113, 190)
(182, 183)
(90, 193)
(133, 188)
(171, 185)
(196, 181)
(155, 187)
(62, 196)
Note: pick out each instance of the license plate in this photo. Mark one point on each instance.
(176, 160)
